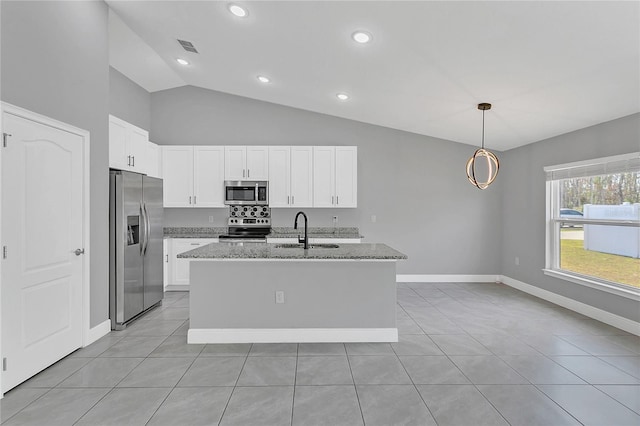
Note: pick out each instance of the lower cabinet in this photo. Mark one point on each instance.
(177, 270)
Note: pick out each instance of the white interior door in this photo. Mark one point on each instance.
(42, 226)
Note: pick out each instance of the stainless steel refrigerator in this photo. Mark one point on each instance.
(135, 245)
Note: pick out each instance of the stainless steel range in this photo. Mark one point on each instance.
(248, 223)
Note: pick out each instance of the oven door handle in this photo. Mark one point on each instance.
(256, 199)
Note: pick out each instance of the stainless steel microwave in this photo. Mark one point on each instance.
(246, 192)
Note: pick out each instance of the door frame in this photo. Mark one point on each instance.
(87, 335)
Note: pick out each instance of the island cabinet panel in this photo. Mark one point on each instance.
(246, 163)
(321, 301)
(193, 176)
(290, 176)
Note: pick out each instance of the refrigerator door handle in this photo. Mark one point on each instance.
(147, 228)
(144, 227)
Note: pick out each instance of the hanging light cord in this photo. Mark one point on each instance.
(482, 129)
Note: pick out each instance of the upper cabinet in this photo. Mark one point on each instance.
(193, 176)
(246, 162)
(290, 176)
(299, 176)
(154, 160)
(127, 146)
(335, 176)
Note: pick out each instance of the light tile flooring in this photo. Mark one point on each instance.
(469, 354)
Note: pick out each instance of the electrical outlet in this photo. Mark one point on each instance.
(373, 218)
(210, 219)
(279, 296)
(335, 220)
(517, 261)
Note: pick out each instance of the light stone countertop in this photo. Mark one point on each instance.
(363, 251)
(276, 232)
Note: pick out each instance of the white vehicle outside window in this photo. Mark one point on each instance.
(593, 223)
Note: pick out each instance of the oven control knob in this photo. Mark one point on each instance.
(242, 213)
(253, 213)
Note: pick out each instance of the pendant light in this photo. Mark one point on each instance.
(493, 165)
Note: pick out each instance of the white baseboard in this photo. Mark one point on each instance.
(606, 317)
(425, 278)
(291, 335)
(97, 332)
(175, 287)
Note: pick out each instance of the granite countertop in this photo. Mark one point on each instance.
(276, 232)
(364, 251)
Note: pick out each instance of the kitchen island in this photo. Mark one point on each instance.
(257, 293)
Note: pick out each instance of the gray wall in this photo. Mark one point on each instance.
(524, 205)
(128, 101)
(55, 62)
(415, 185)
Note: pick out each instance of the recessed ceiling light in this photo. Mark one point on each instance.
(361, 37)
(239, 11)
(342, 96)
(263, 79)
(182, 61)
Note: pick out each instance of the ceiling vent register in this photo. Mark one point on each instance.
(188, 46)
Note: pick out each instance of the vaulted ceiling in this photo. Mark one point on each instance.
(547, 67)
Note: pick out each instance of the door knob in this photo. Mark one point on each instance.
(78, 252)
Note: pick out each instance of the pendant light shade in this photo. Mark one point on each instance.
(485, 157)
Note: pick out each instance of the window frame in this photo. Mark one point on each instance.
(553, 233)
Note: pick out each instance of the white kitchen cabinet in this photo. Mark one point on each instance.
(290, 176)
(154, 166)
(177, 170)
(279, 176)
(346, 176)
(127, 146)
(178, 269)
(193, 176)
(208, 176)
(335, 176)
(246, 162)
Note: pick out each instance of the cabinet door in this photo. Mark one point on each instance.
(208, 176)
(235, 160)
(177, 168)
(257, 162)
(279, 176)
(118, 154)
(137, 146)
(323, 176)
(301, 176)
(153, 160)
(346, 176)
(179, 268)
(166, 253)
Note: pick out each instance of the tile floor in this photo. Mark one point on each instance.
(469, 354)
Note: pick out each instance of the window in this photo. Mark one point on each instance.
(593, 223)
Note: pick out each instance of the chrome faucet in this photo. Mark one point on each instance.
(304, 240)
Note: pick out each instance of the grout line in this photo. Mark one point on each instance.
(235, 384)
(355, 387)
(295, 381)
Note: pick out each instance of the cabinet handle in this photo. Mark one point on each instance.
(133, 161)
(243, 172)
(194, 200)
(248, 173)
(128, 160)
(332, 203)
(189, 199)
(337, 200)
(292, 200)
(288, 199)
(167, 256)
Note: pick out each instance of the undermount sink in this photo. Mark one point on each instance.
(311, 246)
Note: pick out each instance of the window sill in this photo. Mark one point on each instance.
(598, 285)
